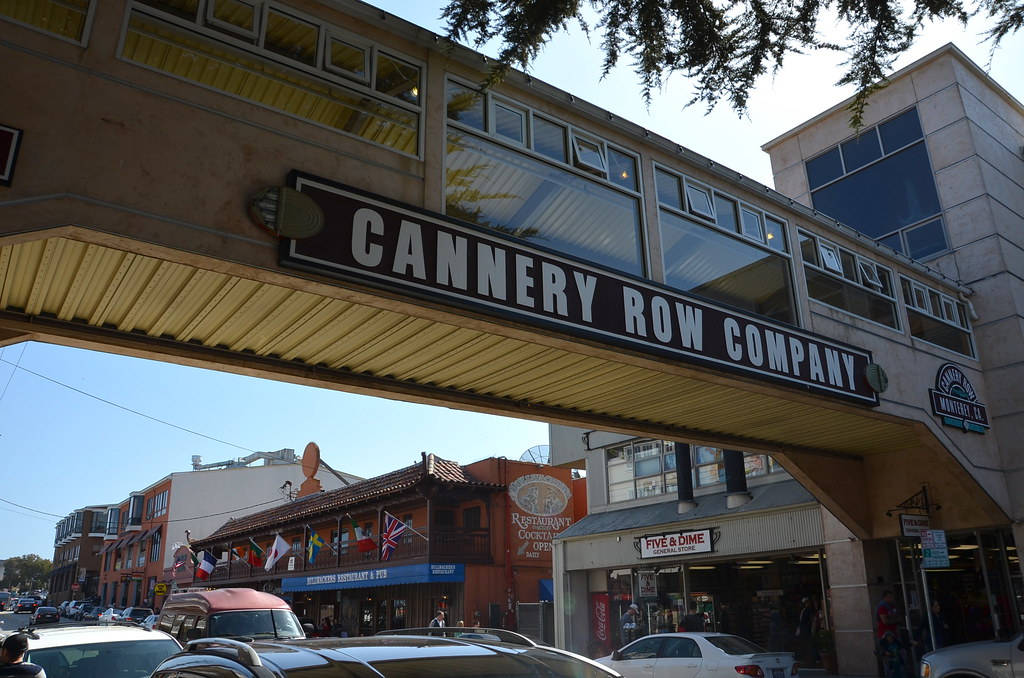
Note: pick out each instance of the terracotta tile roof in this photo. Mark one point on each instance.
(432, 468)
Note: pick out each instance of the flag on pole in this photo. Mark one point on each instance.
(238, 552)
(255, 555)
(206, 565)
(277, 551)
(364, 542)
(314, 546)
(393, 527)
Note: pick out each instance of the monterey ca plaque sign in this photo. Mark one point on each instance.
(369, 240)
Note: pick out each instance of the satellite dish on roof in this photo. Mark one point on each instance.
(538, 454)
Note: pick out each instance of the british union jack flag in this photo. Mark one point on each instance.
(393, 527)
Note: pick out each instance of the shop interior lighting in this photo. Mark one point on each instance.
(702, 567)
(806, 562)
(751, 567)
(758, 562)
(964, 547)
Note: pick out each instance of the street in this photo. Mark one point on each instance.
(12, 621)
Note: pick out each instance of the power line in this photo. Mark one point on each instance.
(29, 508)
(9, 378)
(126, 409)
(27, 515)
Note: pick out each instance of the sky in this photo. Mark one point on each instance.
(66, 440)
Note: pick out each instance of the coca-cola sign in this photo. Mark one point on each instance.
(600, 611)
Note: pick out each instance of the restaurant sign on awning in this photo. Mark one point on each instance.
(373, 241)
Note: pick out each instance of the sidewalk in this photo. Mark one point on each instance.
(821, 673)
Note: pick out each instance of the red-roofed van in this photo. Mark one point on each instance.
(228, 613)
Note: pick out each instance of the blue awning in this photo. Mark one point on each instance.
(379, 576)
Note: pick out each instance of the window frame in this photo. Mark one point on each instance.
(90, 14)
(524, 121)
(830, 259)
(257, 17)
(257, 50)
(708, 194)
(332, 33)
(598, 147)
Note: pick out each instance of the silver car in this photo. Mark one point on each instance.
(988, 658)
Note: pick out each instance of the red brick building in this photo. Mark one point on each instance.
(477, 541)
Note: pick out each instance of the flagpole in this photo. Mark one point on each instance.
(408, 527)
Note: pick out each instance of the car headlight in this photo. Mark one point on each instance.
(926, 670)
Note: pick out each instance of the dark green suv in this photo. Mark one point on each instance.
(445, 653)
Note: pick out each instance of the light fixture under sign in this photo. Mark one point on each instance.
(286, 213)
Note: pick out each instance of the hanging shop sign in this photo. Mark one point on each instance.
(382, 576)
(913, 525)
(541, 510)
(10, 139)
(934, 549)
(647, 583)
(675, 544)
(372, 241)
(955, 400)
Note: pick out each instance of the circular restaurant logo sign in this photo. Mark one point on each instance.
(539, 494)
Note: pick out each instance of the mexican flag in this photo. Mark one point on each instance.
(255, 555)
(364, 542)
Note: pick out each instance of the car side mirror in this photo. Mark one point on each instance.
(308, 629)
(616, 656)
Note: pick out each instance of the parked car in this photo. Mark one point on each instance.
(71, 651)
(238, 613)
(983, 658)
(111, 615)
(91, 612)
(63, 607)
(26, 605)
(379, 656)
(150, 621)
(136, 614)
(5, 600)
(685, 655)
(72, 608)
(45, 615)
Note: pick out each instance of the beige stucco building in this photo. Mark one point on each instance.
(518, 252)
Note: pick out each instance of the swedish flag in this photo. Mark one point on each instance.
(315, 544)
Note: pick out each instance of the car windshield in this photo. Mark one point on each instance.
(125, 659)
(734, 645)
(255, 624)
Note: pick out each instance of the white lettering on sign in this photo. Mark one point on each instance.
(656, 546)
(400, 247)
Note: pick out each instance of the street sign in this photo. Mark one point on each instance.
(160, 589)
(913, 525)
(933, 547)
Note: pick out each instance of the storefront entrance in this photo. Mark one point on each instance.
(758, 597)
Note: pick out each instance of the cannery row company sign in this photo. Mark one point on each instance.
(955, 400)
(370, 240)
(675, 544)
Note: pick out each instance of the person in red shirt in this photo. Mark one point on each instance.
(885, 615)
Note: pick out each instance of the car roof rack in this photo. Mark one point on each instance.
(465, 632)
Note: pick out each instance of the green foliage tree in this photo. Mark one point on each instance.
(26, 573)
(723, 46)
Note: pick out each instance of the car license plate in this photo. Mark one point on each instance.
(778, 673)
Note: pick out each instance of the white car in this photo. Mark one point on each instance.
(150, 621)
(111, 615)
(95, 651)
(983, 658)
(685, 655)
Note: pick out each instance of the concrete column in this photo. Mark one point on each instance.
(851, 605)
(1018, 541)
(735, 479)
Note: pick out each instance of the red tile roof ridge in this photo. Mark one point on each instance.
(393, 482)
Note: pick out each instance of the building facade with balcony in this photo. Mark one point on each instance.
(475, 541)
(143, 532)
(76, 554)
